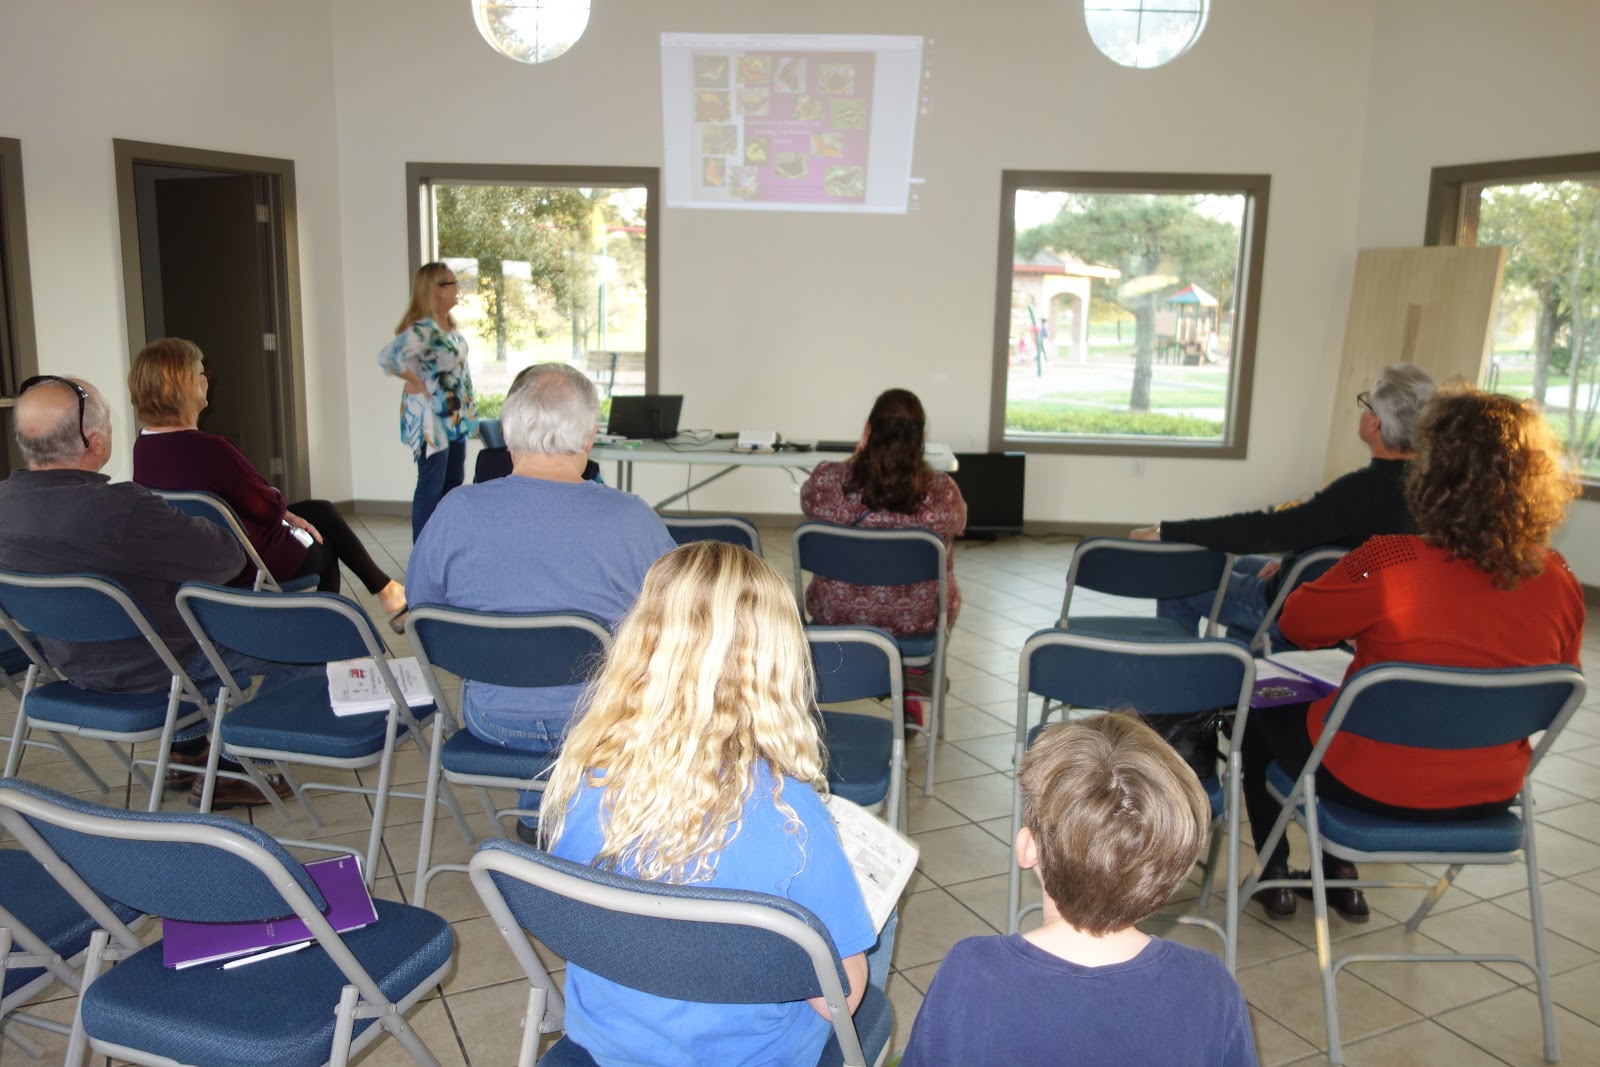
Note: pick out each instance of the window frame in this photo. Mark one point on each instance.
(1442, 223)
(1256, 189)
(419, 221)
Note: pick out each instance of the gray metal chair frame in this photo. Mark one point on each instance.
(894, 805)
(225, 516)
(701, 522)
(1260, 642)
(1225, 822)
(20, 949)
(182, 689)
(401, 724)
(447, 722)
(1094, 544)
(545, 1008)
(114, 941)
(1301, 806)
(934, 727)
(12, 683)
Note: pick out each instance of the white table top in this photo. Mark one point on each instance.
(722, 453)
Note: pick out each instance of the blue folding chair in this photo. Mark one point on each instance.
(1427, 708)
(694, 943)
(527, 651)
(1150, 570)
(13, 665)
(303, 1009)
(43, 932)
(1307, 567)
(906, 556)
(866, 753)
(213, 508)
(294, 722)
(1155, 677)
(728, 528)
(86, 609)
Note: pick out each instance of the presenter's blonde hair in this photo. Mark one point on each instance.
(710, 674)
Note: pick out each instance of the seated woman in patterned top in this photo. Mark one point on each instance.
(886, 485)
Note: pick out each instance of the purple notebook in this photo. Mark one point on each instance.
(185, 944)
(1285, 686)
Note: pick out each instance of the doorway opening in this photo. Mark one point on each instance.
(209, 254)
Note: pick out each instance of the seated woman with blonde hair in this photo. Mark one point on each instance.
(170, 384)
(699, 761)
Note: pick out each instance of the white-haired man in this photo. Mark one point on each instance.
(541, 539)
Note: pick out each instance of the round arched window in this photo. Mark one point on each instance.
(531, 31)
(1145, 33)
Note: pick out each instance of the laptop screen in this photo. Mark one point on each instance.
(651, 418)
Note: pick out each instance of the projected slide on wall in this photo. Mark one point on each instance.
(789, 122)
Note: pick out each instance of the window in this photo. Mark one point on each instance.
(555, 264)
(18, 357)
(1145, 33)
(531, 31)
(1125, 312)
(1546, 212)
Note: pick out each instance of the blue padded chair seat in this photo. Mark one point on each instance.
(304, 583)
(859, 748)
(91, 709)
(1366, 832)
(916, 646)
(296, 717)
(277, 1013)
(874, 1019)
(1211, 783)
(12, 659)
(1136, 627)
(465, 753)
(41, 905)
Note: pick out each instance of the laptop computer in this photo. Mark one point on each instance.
(648, 418)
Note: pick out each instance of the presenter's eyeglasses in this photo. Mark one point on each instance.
(1364, 402)
(83, 396)
(447, 284)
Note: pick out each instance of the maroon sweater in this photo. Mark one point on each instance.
(196, 460)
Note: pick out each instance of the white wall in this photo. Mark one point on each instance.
(250, 78)
(1472, 81)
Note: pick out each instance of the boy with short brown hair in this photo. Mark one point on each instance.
(1112, 821)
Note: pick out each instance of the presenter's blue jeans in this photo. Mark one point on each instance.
(436, 475)
(540, 737)
(1244, 605)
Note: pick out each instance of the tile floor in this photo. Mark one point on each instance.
(1466, 1014)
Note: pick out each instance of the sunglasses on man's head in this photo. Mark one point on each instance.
(83, 396)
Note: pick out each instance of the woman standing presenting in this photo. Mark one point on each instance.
(437, 412)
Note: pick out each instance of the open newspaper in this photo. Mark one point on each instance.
(355, 687)
(883, 858)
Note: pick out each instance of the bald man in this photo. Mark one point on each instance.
(62, 516)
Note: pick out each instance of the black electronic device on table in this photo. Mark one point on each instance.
(992, 484)
(837, 446)
(645, 418)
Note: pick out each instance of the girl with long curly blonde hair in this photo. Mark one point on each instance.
(699, 760)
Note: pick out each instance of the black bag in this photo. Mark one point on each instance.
(1194, 737)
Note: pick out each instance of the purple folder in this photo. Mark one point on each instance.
(1297, 688)
(185, 944)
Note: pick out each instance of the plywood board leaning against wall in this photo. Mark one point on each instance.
(1434, 307)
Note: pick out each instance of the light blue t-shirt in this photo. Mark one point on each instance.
(529, 544)
(620, 1026)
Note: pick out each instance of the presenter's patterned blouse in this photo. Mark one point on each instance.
(900, 609)
(446, 411)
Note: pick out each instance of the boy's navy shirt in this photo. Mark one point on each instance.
(1005, 1000)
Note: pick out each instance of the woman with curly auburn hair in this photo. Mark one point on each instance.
(1477, 586)
(699, 761)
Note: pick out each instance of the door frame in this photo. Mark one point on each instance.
(285, 250)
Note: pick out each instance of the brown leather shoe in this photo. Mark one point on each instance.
(234, 793)
(183, 770)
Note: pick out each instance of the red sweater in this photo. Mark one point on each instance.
(208, 462)
(1401, 599)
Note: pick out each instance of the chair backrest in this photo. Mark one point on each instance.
(904, 556)
(1144, 569)
(694, 943)
(213, 508)
(1152, 676)
(855, 663)
(1307, 567)
(534, 650)
(490, 434)
(1456, 708)
(728, 528)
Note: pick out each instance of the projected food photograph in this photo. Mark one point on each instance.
(846, 183)
(755, 150)
(790, 166)
(719, 140)
(791, 77)
(713, 172)
(807, 109)
(710, 72)
(744, 183)
(755, 70)
(849, 114)
(827, 145)
(837, 79)
(755, 102)
(711, 106)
